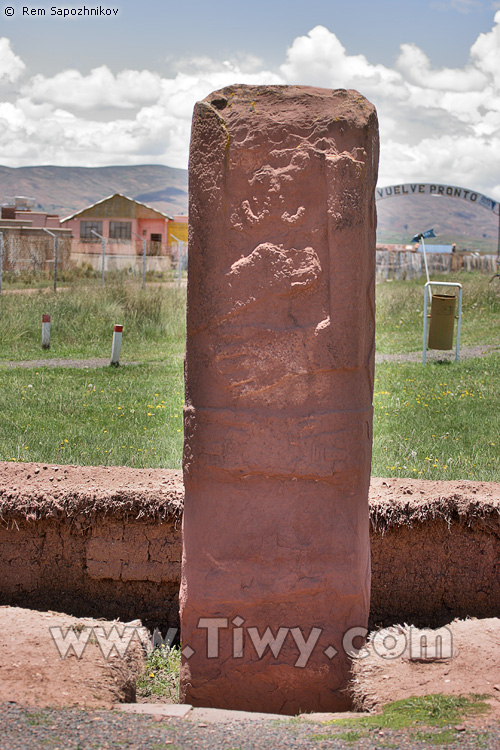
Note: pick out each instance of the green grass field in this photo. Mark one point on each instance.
(437, 422)
(119, 416)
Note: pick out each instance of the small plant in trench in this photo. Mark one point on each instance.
(161, 674)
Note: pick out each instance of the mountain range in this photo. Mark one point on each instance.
(455, 221)
(64, 190)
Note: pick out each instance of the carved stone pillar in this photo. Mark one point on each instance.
(279, 381)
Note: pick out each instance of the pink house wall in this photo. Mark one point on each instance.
(141, 229)
(38, 219)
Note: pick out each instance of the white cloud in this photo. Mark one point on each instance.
(485, 52)
(11, 66)
(416, 67)
(319, 59)
(129, 89)
(439, 125)
(62, 119)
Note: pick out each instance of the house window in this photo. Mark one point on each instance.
(155, 237)
(120, 230)
(86, 228)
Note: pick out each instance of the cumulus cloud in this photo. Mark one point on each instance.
(320, 59)
(439, 125)
(128, 89)
(62, 119)
(416, 67)
(436, 124)
(11, 66)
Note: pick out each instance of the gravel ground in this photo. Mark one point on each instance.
(75, 729)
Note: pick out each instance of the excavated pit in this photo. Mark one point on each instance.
(106, 542)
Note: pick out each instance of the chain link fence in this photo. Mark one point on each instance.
(33, 254)
(393, 264)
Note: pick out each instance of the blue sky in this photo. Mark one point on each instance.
(120, 89)
(139, 36)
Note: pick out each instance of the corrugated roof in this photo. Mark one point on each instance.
(435, 248)
(110, 197)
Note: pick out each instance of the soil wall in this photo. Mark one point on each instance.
(106, 542)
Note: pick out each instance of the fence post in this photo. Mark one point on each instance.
(56, 247)
(144, 256)
(55, 255)
(103, 243)
(1, 260)
(103, 264)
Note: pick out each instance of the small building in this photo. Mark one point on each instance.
(26, 244)
(178, 239)
(441, 249)
(124, 224)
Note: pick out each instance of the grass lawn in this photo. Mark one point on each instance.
(129, 415)
(437, 422)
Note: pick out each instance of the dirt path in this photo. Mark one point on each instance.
(78, 363)
(438, 356)
(432, 356)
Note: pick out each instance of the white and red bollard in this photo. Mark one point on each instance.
(117, 345)
(45, 331)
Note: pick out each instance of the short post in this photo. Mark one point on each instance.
(117, 345)
(1, 260)
(55, 254)
(45, 331)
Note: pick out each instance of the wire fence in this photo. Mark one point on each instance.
(33, 254)
(401, 265)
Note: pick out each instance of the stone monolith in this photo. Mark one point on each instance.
(279, 379)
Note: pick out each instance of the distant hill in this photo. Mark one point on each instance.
(64, 190)
(455, 221)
